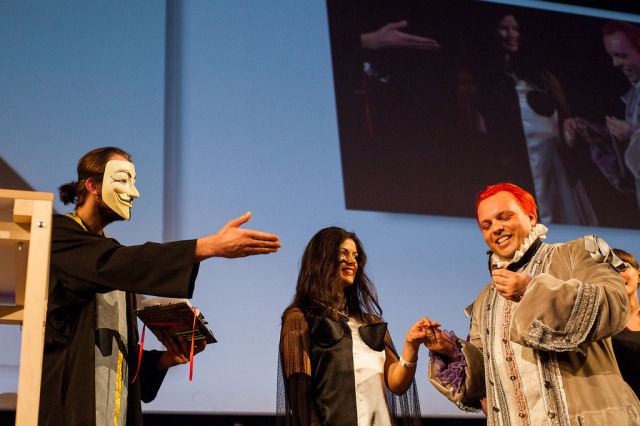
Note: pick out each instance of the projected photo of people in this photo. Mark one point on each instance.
(434, 104)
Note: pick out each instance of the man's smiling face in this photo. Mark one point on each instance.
(504, 224)
(624, 55)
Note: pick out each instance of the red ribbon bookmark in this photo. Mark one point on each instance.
(193, 331)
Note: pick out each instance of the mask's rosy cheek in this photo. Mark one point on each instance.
(119, 188)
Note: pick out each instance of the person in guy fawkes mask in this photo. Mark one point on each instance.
(91, 348)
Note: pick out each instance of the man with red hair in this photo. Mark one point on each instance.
(539, 349)
(616, 148)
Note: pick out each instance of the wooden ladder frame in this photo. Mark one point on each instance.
(26, 237)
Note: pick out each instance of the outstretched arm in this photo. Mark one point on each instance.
(232, 242)
(397, 375)
(456, 367)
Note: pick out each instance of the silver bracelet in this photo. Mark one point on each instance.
(406, 363)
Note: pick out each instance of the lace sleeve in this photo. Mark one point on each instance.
(295, 403)
(450, 372)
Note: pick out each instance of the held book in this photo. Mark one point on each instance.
(171, 318)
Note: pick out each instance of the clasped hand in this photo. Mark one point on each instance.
(428, 332)
(620, 129)
(510, 285)
(579, 127)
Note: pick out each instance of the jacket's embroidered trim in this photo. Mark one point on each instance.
(580, 323)
(497, 406)
(555, 400)
(468, 408)
(514, 374)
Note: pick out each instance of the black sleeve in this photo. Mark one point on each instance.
(298, 389)
(296, 403)
(150, 377)
(87, 263)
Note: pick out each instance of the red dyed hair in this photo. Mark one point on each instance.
(630, 31)
(524, 199)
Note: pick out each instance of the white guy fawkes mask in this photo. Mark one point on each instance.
(118, 189)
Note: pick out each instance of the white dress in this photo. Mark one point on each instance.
(368, 372)
(558, 200)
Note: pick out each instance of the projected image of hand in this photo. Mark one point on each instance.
(390, 36)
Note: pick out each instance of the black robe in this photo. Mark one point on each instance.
(84, 264)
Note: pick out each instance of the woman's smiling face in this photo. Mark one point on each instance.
(348, 259)
(509, 34)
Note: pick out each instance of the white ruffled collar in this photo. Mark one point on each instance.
(538, 231)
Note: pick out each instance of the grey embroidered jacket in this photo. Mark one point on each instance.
(548, 360)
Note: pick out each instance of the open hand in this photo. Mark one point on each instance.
(232, 241)
(390, 37)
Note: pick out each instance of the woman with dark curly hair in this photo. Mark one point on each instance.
(336, 355)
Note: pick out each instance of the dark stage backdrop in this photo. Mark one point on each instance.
(488, 94)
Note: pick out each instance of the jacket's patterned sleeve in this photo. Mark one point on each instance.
(462, 381)
(579, 299)
(296, 404)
